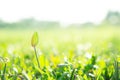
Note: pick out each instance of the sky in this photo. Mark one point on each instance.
(64, 11)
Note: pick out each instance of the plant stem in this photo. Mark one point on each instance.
(72, 75)
(117, 71)
(3, 76)
(36, 57)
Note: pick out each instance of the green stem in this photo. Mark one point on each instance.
(3, 76)
(36, 57)
(117, 70)
(72, 75)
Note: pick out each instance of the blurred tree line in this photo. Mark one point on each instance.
(29, 24)
(112, 18)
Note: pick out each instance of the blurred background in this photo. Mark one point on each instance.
(62, 24)
(49, 14)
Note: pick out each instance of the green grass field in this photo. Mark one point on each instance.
(65, 54)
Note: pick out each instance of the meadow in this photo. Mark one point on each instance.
(64, 54)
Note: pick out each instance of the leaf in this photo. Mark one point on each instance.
(34, 40)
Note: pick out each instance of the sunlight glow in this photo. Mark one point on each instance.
(65, 11)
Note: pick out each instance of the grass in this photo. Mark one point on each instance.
(66, 54)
